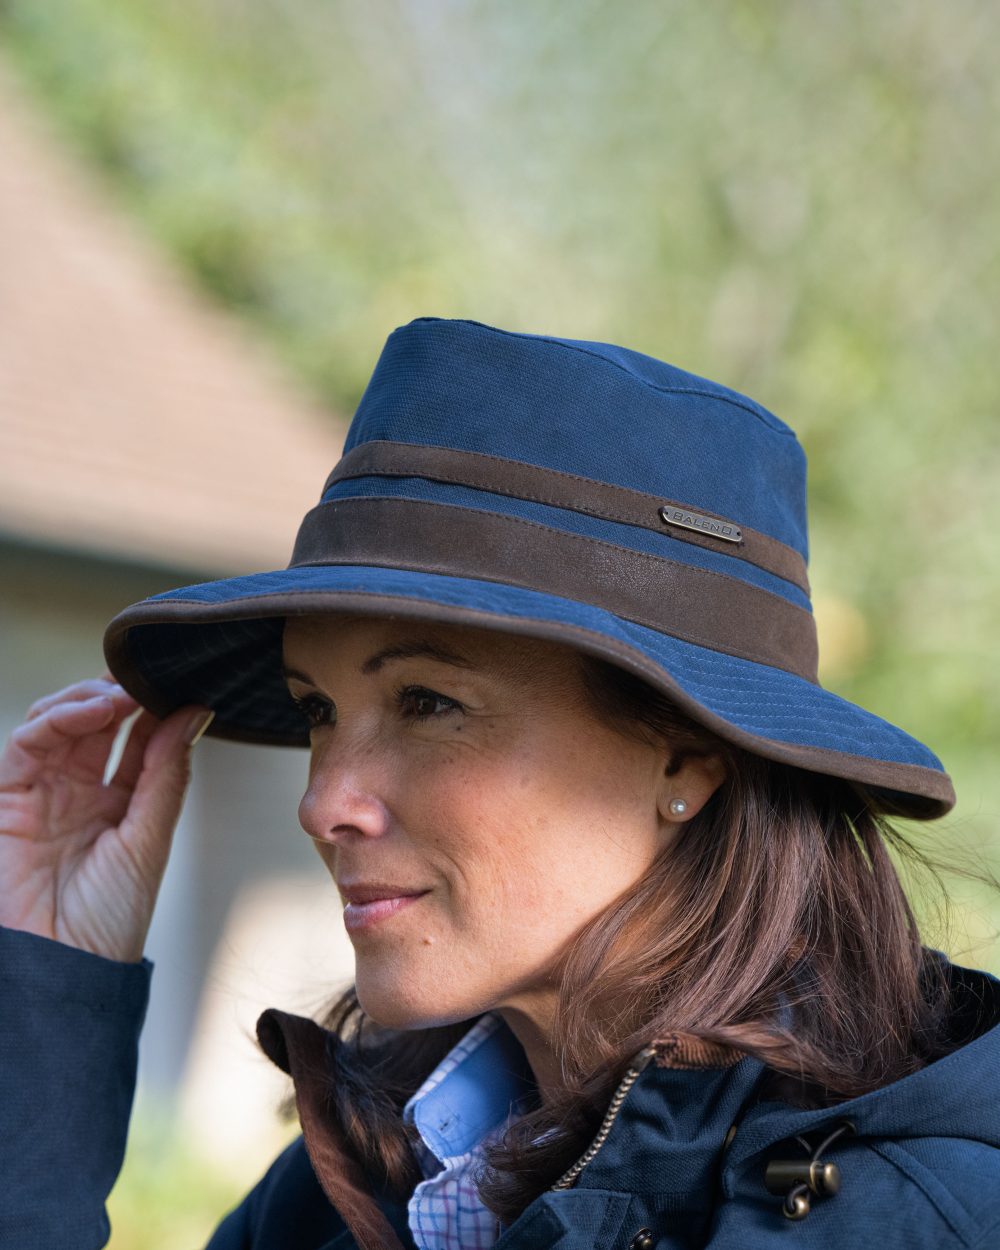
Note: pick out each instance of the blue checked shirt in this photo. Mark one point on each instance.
(472, 1095)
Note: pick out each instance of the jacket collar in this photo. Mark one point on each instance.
(948, 1098)
(689, 1101)
(671, 1122)
(298, 1046)
(681, 1104)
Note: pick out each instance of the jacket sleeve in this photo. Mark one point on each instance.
(69, 1033)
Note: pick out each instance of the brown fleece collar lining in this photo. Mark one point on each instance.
(297, 1045)
(686, 1052)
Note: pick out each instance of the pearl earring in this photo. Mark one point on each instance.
(678, 807)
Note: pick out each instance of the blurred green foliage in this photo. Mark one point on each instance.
(795, 199)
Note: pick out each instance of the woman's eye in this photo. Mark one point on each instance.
(316, 710)
(420, 703)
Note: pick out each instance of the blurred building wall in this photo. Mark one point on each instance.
(146, 441)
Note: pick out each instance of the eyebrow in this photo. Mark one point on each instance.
(399, 651)
(408, 650)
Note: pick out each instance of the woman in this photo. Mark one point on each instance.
(634, 967)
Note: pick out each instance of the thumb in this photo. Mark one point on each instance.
(162, 783)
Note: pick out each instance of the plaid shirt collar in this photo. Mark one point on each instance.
(473, 1093)
(474, 1090)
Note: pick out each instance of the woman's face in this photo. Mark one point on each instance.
(473, 811)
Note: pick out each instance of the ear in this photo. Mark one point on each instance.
(692, 777)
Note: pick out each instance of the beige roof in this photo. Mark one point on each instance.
(135, 419)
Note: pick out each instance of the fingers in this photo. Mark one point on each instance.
(57, 725)
(145, 726)
(80, 691)
(79, 731)
(161, 781)
(134, 750)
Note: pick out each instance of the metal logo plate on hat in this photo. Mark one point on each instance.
(688, 520)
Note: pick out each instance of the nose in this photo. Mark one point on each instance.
(343, 799)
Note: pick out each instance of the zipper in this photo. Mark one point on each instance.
(639, 1063)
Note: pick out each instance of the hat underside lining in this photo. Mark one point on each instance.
(234, 665)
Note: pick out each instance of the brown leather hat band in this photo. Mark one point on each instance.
(705, 608)
(565, 490)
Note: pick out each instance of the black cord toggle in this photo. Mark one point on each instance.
(797, 1179)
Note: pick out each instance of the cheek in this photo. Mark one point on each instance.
(523, 859)
(527, 855)
(537, 859)
(588, 834)
(486, 825)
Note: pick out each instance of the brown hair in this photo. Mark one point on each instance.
(774, 923)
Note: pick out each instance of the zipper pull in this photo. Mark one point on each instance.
(641, 1061)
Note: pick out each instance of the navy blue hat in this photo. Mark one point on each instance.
(565, 490)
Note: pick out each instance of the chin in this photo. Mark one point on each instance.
(407, 1006)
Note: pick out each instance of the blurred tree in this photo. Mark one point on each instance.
(794, 199)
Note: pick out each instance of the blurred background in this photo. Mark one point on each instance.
(214, 212)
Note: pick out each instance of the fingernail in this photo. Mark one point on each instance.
(197, 726)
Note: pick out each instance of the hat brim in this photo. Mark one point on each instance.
(219, 644)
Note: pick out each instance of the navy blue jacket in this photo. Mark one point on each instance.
(684, 1164)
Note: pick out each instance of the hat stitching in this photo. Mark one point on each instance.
(766, 733)
(704, 678)
(652, 386)
(455, 480)
(500, 460)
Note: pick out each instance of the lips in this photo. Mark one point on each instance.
(375, 902)
(375, 891)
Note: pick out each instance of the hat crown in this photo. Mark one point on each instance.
(602, 412)
(560, 489)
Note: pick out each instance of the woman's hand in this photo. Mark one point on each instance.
(81, 861)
